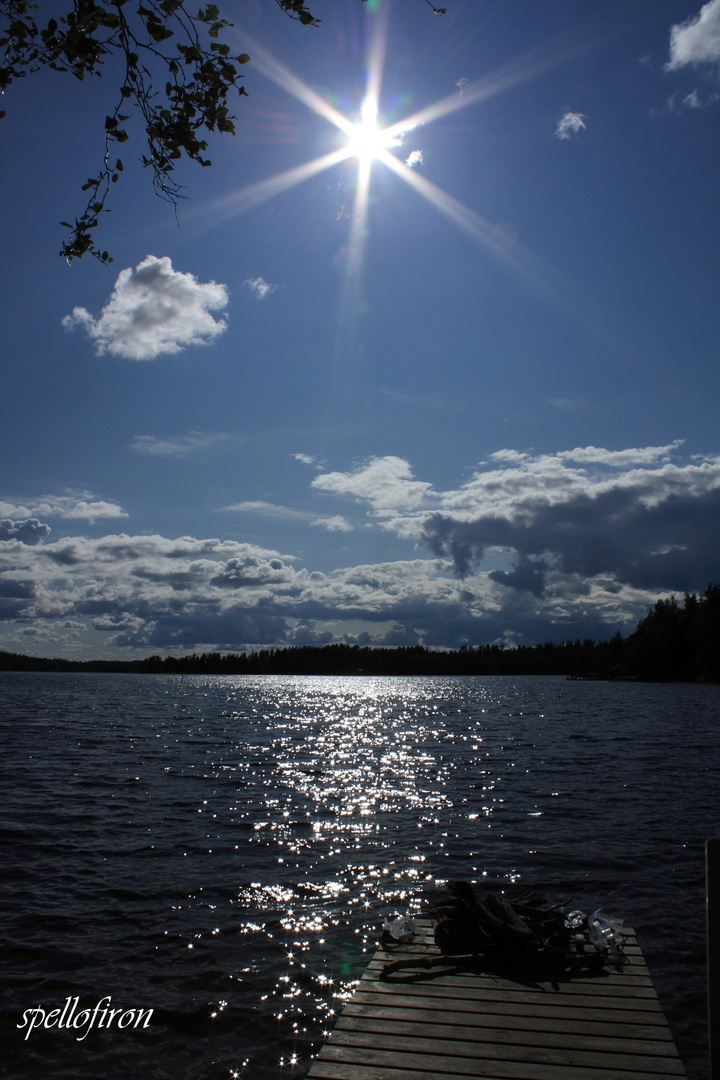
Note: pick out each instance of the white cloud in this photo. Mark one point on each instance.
(268, 510)
(148, 590)
(570, 124)
(336, 523)
(692, 101)
(415, 158)
(386, 483)
(260, 287)
(306, 459)
(646, 455)
(93, 511)
(154, 310)
(79, 505)
(399, 136)
(697, 40)
(178, 445)
(532, 546)
(635, 515)
(462, 85)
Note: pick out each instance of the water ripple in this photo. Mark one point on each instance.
(225, 850)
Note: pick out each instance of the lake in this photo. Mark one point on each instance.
(224, 850)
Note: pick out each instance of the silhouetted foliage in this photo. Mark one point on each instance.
(678, 643)
(174, 71)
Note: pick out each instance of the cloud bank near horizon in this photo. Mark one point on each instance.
(531, 547)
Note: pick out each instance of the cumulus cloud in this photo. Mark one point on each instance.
(415, 158)
(259, 287)
(177, 445)
(29, 532)
(252, 570)
(637, 516)
(617, 459)
(530, 547)
(149, 592)
(154, 310)
(697, 40)
(570, 124)
(79, 505)
(386, 483)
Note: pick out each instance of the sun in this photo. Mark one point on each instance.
(367, 140)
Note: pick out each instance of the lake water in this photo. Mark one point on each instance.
(224, 850)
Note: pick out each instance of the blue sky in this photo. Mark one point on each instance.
(469, 394)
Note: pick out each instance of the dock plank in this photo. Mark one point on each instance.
(453, 1021)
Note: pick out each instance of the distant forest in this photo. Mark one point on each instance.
(672, 643)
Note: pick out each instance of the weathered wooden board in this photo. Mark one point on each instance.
(453, 1022)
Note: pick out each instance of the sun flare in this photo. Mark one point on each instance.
(367, 140)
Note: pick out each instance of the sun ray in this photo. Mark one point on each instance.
(282, 77)
(514, 73)
(369, 142)
(366, 140)
(238, 202)
(535, 271)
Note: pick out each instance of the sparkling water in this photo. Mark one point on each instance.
(225, 850)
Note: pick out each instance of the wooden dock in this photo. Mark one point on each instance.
(450, 1023)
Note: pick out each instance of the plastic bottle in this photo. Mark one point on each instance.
(401, 928)
(604, 933)
(575, 920)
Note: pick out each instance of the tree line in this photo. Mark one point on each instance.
(673, 642)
